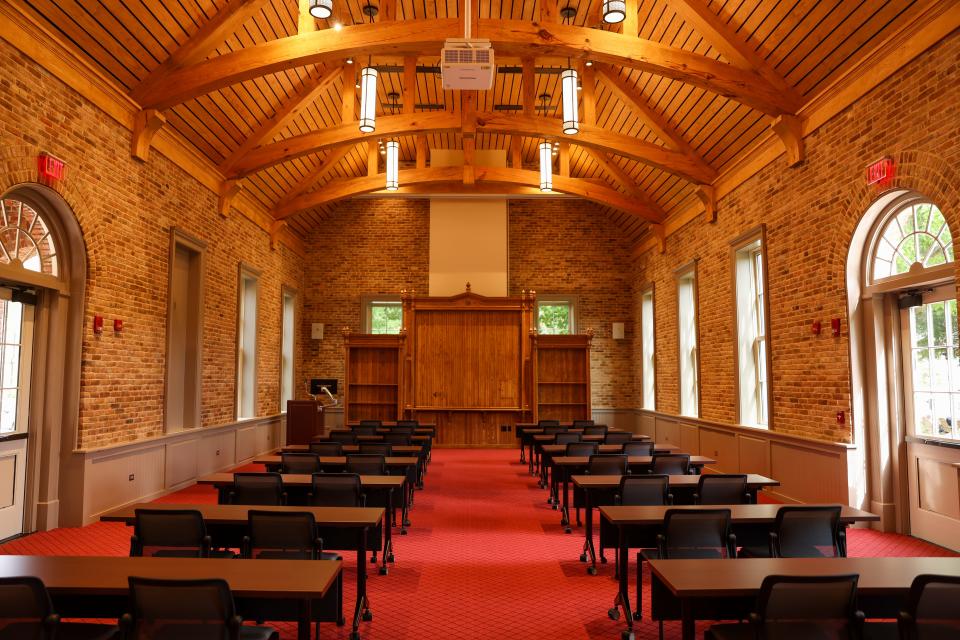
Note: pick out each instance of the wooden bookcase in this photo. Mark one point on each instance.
(562, 373)
(372, 376)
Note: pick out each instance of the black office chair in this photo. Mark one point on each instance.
(408, 423)
(395, 438)
(618, 437)
(367, 464)
(343, 437)
(376, 424)
(26, 613)
(548, 423)
(171, 533)
(365, 430)
(638, 448)
(581, 449)
(931, 611)
(257, 489)
(580, 424)
(567, 438)
(601, 465)
(327, 449)
(406, 430)
(377, 448)
(304, 463)
(553, 430)
(336, 490)
(808, 532)
(186, 609)
(671, 464)
(722, 488)
(595, 430)
(800, 608)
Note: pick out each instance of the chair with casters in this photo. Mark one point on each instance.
(376, 424)
(671, 464)
(722, 488)
(367, 464)
(186, 609)
(803, 531)
(395, 437)
(327, 449)
(377, 448)
(343, 437)
(693, 534)
(257, 489)
(171, 533)
(800, 608)
(566, 437)
(552, 430)
(638, 448)
(305, 463)
(581, 449)
(595, 430)
(26, 613)
(618, 437)
(365, 430)
(580, 424)
(600, 465)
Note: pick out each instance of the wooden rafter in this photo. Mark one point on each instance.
(341, 189)
(611, 168)
(334, 157)
(509, 37)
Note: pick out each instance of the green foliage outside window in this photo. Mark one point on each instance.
(386, 318)
(554, 319)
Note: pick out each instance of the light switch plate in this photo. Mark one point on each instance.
(316, 331)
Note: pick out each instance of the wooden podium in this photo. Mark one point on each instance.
(305, 420)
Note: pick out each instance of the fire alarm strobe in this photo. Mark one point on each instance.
(467, 64)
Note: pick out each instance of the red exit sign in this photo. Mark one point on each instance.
(880, 172)
(51, 167)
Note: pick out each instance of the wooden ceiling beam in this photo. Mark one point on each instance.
(333, 158)
(342, 189)
(611, 168)
(306, 23)
(509, 38)
(310, 90)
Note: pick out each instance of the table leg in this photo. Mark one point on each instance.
(388, 538)
(687, 621)
(565, 510)
(588, 548)
(405, 511)
(522, 457)
(623, 595)
(362, 611)
(303, 624)
(530, 458)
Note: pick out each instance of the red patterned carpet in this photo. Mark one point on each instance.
(485, 558)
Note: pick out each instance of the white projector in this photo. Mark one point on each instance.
(467, 64)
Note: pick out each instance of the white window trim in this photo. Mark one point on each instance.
(285, 292)
(366, 308)
(651, 357)
(552, 299)
(246, 272)
(688, 271)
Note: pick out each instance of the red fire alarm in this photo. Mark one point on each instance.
(98, 324)
(841, 417)
(117, 325)
(51, 167)
(815, 327)
(835, 326)
(880, 172)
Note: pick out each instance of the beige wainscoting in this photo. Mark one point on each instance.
(115, 476)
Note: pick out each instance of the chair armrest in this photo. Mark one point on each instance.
(661, 545)
(283, 498)
(756, 624)
(233, 626)
(747, 498)
(774, 545)
(669, 498)
(842, 542)
(136, 549)
(617, 499)
(858, 621)
(363, 499)
(231, 496)
(696, 498)
(246, 549)
(51, 622)
(205, 546)
(126, 625)
(732, 545)
(318, 545)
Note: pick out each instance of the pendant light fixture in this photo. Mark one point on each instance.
(614, 11)
(568, 85)
(321, 9)
(546, 166)
(393, 165)
(368, 87)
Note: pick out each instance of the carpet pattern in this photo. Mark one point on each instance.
(485, 558)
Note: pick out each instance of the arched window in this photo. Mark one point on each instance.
(913, 236)
(25, 239)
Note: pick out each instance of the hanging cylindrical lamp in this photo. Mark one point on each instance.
(368, 99)
(321, 9)
(614, 11)
(546, 166)
(571, 119)
(393, 165)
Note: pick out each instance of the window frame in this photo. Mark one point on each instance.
(246, 272)
(742, 247)
(367, 303)
(648, 290)
(285, 292)
(571, 301)
(684, 272)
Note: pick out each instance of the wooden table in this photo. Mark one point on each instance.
(637, 527)
(687, 483)
(429, 428)
(636, 464)
(99, 585)
(881, 590)
(548, 451)
(538, 441)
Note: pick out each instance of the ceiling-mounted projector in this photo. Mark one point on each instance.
(467, 64)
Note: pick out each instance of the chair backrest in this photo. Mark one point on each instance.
(371, 423)
(671, 464)
(931, 611)
(579, 449)
(327, 449)
(723, 488)
(287, 535)
(580, 424)
(395, 437)
(365, 430)
(618, 437)
(607, 465)
(553, 430)
(644, 491)
(367, 464)
(807, 532)
(25, 609)
(180, 610)
(595, 430)
(257, 488)
(179, 532)
(299, 463)
(567, 438)
(336, 490)
(408, 423)
(343, 437)
(808, 607)
(696, 533)
(548, 423)
(377, 448)
(638, 448)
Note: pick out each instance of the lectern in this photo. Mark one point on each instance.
(305, 420)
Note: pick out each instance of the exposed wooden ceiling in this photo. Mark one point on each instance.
(661, 124)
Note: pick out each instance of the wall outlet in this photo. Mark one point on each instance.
(218, 452)
(316, 331)
(130, 477)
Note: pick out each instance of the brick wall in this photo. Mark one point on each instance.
(811, 212)
(126, 210)
(556, 247)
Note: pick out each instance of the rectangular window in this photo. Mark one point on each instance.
(751, 348)
(687, 334)
(287, 344)
(247, 344)
(647, 357)
(184, 333)
(556, 315)
(382, 314)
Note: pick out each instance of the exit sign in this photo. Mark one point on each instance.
(880, 172)
(51, 167)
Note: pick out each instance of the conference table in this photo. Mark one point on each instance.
(539, 441)
(881, 589)
(636, 464)
(679, 484)
(638, 526)
(527, 430)
(548, 451)
(98, 587)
